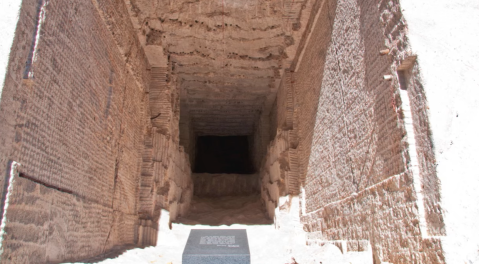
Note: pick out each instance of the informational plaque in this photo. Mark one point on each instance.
(217, 246)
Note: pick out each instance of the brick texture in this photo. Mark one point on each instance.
(353, 152)
(76, 127)
(279, 173)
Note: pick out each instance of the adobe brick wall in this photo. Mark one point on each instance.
(279, 174)
(280, 169)
(355, 162)
(165, 180)
(217, 185)
(9, 103)
(187, 134)
(47, 225)
(260, 139)
(77, 130)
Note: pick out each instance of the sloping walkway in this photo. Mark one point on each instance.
(281, 243)
(229, 210)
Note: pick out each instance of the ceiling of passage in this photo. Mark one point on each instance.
(227, 56)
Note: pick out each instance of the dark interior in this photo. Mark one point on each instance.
(216, 154)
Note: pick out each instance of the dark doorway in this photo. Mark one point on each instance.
(223, 155)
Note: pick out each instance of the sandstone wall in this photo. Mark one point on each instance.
(358, 177)
(73, 114)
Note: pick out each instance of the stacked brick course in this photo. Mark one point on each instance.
(280, 171)
(354, 160)
(354, 155)
(77, 130)
(166, 171)
(165, 179)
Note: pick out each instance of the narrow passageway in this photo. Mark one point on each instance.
(226, 187)
(125, 124)
(226, 154)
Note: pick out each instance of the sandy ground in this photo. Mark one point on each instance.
(282, 242)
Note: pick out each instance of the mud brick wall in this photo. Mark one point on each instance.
(9, 105)
(306, 85)
(280, 171)
(76, 127)
(260, 139)
(284, 107)
(166, 171)
(164, 105)
(280, 167)
(181, 184)
(47, 225)
(165, 178)
(353, 146)
(217, 185)
(187, 133)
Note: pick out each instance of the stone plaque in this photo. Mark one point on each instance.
(217, 246)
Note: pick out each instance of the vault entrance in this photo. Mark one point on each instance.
(226, 185)
(227, 154)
